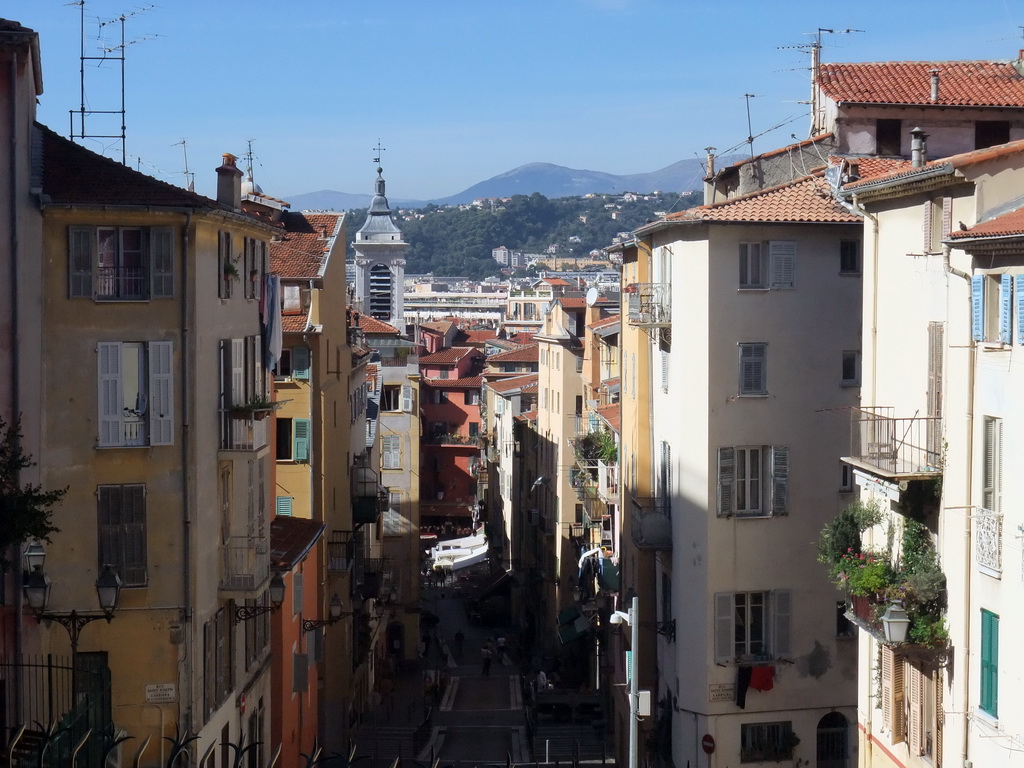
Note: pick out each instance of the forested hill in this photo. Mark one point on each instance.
(457, 240)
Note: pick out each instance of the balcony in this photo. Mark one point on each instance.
(988, 541)
(242, 434)
(449, 438)
(895, 448)
(341, 551)
(369, 497)
(398, 360)
(649, 304)
(651, 524)
(246, 566)
(608, 482)
(122, 284)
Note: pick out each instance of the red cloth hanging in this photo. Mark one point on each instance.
(762, 678)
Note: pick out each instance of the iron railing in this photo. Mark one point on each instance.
(651, 524)
(649, 304)
(246, 563)
(896, 447)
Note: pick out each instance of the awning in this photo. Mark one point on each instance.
(608, 576)
(572, 624)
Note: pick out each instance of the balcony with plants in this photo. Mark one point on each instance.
(883, 586)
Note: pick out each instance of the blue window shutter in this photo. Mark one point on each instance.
(1018, 295)
(300, 438)
(284, 506)
(300, 363)
(1005, 309)
(978, 307)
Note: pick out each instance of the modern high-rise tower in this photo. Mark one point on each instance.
(380, 262)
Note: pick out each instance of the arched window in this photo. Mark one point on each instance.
(833, 741)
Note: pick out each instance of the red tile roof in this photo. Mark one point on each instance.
(875, 166)
(438, 326)
(522, 337)
(605, 322)
(477, 337)
(471, 382)
(612, 414)
(961, 83)
(448, 356)
(527, 354)
(963, 160)
(555, 281)
(516, 382)
(806, 200)
(574, 302)
(372, 325)
(291, 538)
(527, 416)
(301, 250)
(294, 323)
(1008, 225)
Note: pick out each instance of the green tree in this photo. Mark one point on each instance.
(25, 510)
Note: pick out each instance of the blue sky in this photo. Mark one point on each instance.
(459, 91)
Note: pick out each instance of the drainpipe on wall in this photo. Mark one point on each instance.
(855, 204)
(186, 489)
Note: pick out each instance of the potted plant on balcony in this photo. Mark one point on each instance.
(256, 408)
(230, 270)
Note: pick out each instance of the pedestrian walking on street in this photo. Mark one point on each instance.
(460, 638)
(487, 654)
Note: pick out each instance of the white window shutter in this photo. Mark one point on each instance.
(780, 480)
(407, 398)
(111, 408)
(723, 628)
(782, 254)
(726, 475)
(947, 216)
(781, 609)
(238, 372)
(161, 393)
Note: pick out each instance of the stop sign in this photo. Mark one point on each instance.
(707, 743)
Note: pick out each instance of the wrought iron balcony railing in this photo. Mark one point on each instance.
(897, 448)
(246, 564)
(649, 304)
(651, 524)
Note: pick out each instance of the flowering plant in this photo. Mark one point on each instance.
(863, 573)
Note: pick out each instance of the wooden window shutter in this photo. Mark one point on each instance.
(927, 226)
(726, 478)
(886, 661)
(301, 439)
(899, 711)
(783, 263)
(939, 717)
(300, 363)
(161, 393)
(111, 409)
(915, 709)
(1005, 309)
(81, 260)
(947, 216)
(297, 596)
(161, 245)
(1018, 295)
(780, 480)
(782, 600)
(723, 627)
(407, 398)
(978, 307)
(238, 372)
(300, 673)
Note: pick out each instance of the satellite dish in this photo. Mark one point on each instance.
(592, 297)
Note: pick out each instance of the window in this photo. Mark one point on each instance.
(751, 626)
(845, 478)
(217, 665)
(893, 693)
(120, 263)
(257, 631)
(121, 516)
(849, 257)
(989, 663)
(293, 440)
(991, 308)
(284, 505)
(888, 140)
(391, 452)
(753, 368)
(391, 397)
(226, 266)
(766, 742)
(472, 397)
(753, 272)
(851, 368)
(136, 401)
(394, 521)
(988, 133)
(474, 429)
(991, 491)
(664, 371)
(439, 397)
(254, 259)
(243, 381)
(741, 490)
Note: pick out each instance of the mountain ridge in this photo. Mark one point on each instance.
(548, 179)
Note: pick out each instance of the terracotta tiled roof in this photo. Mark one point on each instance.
(301, 251)
(523, 337)
(782, 150)
(477, 337)
(1008, 225)
(612, 414)
(291, 538)
(513, 383)
(555, 281)
(875, 166)
(963, 160)
(442, 326)
(574, 302)
(527, 416)
(448, 356)
(806, 200)
(294, 323)
(605, 322)
(372, 325)
(961, 83)
(76, 175)
(527, 354)
(471, 382)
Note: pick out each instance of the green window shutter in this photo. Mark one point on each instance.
(284, 506)
(300, 363)
(990, 663)
(161, 243)
(300, 440)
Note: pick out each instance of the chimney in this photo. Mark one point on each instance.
(918, 148)
(229, 183)
(935, 85)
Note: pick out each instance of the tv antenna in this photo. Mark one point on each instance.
(190, 177)
(750, 130)
(111, 53)
(814, 48)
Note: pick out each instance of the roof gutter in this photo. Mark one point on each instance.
(881, 185)
(174, 209)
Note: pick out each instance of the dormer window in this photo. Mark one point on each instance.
(888, 140)
(989, 133)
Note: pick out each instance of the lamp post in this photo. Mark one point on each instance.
(335, 613)
(276, 593)
(632, 619)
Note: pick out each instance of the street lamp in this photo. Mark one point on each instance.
(276, 593)
(335, 613)
(632, 619)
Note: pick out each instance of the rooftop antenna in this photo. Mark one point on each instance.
(750, 130)
(248, 163)
(114, 53)
(190, 177)
(814, 48)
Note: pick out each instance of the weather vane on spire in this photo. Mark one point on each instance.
(378, 149)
